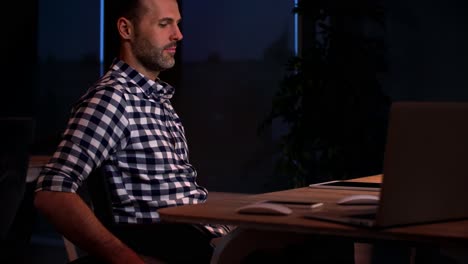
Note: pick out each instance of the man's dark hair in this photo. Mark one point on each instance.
(130, 9)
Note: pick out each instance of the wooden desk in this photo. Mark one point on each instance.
(223, 211)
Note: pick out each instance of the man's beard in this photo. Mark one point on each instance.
(151, 57)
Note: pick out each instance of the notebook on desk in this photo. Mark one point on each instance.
(348, 185)
(425, 177)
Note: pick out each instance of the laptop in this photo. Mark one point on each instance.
(425, 174)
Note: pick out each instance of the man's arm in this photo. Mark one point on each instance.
(73, 218)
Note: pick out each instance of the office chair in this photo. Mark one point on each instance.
(97, 194)
(15, 195)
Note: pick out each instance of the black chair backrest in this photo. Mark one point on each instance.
(15, 139)
(100, 197)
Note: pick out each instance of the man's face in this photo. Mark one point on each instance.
(156, 34)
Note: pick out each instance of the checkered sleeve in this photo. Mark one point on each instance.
(97, 127)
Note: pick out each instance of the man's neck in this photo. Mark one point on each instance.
(133, 62)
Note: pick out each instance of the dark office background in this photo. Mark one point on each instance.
(226, 75)
(231, 62)
(229, 66)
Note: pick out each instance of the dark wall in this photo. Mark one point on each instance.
(223, 102)
(18, 46)
(427, 54)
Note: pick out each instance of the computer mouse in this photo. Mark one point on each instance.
(265, 209)
(359, 199)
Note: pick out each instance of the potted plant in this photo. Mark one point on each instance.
(331, 98)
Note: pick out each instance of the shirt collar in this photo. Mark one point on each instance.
(150, 87)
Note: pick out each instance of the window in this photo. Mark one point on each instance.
(68, 63)
(234, 55)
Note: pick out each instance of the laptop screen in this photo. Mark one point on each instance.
(425, 166)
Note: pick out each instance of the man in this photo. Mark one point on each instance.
(125, 124)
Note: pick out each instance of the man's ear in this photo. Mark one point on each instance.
(125, 28)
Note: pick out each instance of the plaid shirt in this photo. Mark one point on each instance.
(126, 123)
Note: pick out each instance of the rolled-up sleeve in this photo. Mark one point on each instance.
(97, 127)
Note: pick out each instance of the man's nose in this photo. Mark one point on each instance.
(177, 34)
